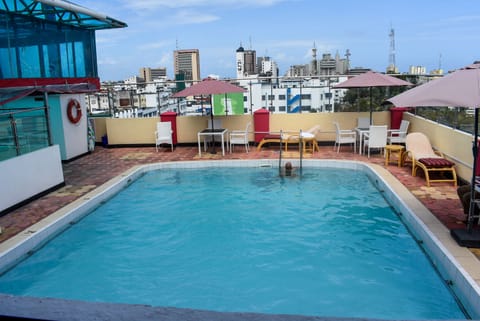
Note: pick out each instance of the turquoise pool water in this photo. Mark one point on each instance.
(323, 243)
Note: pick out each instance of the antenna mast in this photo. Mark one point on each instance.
(392, 68)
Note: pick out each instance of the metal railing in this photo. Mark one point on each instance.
(23, 131)
(454, 117)
(283, 169)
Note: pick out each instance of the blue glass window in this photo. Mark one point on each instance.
(34, 48)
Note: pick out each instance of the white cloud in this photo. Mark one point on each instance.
(192, 17)
(108, 61)
(154, 4)
(166, 60)
(154, 45)
(471, 18)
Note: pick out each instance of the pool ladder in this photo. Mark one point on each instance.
(300, 149)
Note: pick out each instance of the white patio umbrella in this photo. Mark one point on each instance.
(458, 89)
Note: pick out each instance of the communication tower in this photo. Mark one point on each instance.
(392, 68)
(314, 67)
(347, 57)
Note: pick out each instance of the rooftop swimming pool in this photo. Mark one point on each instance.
(328, 242)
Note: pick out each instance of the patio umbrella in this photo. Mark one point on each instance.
(458, 89)
(209, 87)
(369, 80)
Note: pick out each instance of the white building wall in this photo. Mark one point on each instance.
(317, 90)
(240, 57)
(30, 174)
(75, 135)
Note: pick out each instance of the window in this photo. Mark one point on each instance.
(45, 49)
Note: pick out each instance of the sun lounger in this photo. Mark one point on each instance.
(423, 156)
(269, 138)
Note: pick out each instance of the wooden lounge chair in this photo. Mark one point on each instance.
(269, 138)
(308, 138)
(422, 155)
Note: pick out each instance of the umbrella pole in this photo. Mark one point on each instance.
(280, 155)
(214, 150)
(371, 106)
(226, 107)
(471, 210)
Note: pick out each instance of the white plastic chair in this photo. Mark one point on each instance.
(375, 138)
(363, 122)
(398, 136)
(240, 137)
(345, 136)
(163, 134)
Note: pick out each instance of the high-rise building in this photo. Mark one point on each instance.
(298, 71)
(246, 62)
(328, 65)
(187, 62)
(149, 74)
(267, 67)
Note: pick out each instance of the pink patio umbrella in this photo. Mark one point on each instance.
(209, 87)
(458, 89)
(372, 79)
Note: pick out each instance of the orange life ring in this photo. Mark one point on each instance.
(74, 111)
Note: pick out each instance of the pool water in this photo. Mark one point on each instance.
(322, 243)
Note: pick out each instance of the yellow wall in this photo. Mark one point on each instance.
(125, 131)
(456, 145)
(188, 126)
(100, 128)
(131, 130)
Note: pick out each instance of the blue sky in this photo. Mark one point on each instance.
(427, 33)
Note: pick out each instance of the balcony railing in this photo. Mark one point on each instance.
(23, 131)
(455, 117)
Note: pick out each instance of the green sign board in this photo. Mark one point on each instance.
(228, 104)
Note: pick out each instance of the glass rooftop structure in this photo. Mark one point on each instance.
(61, 11)
(48, 42)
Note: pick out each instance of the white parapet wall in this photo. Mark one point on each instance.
(28, 175)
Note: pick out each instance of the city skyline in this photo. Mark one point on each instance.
(429, 33)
